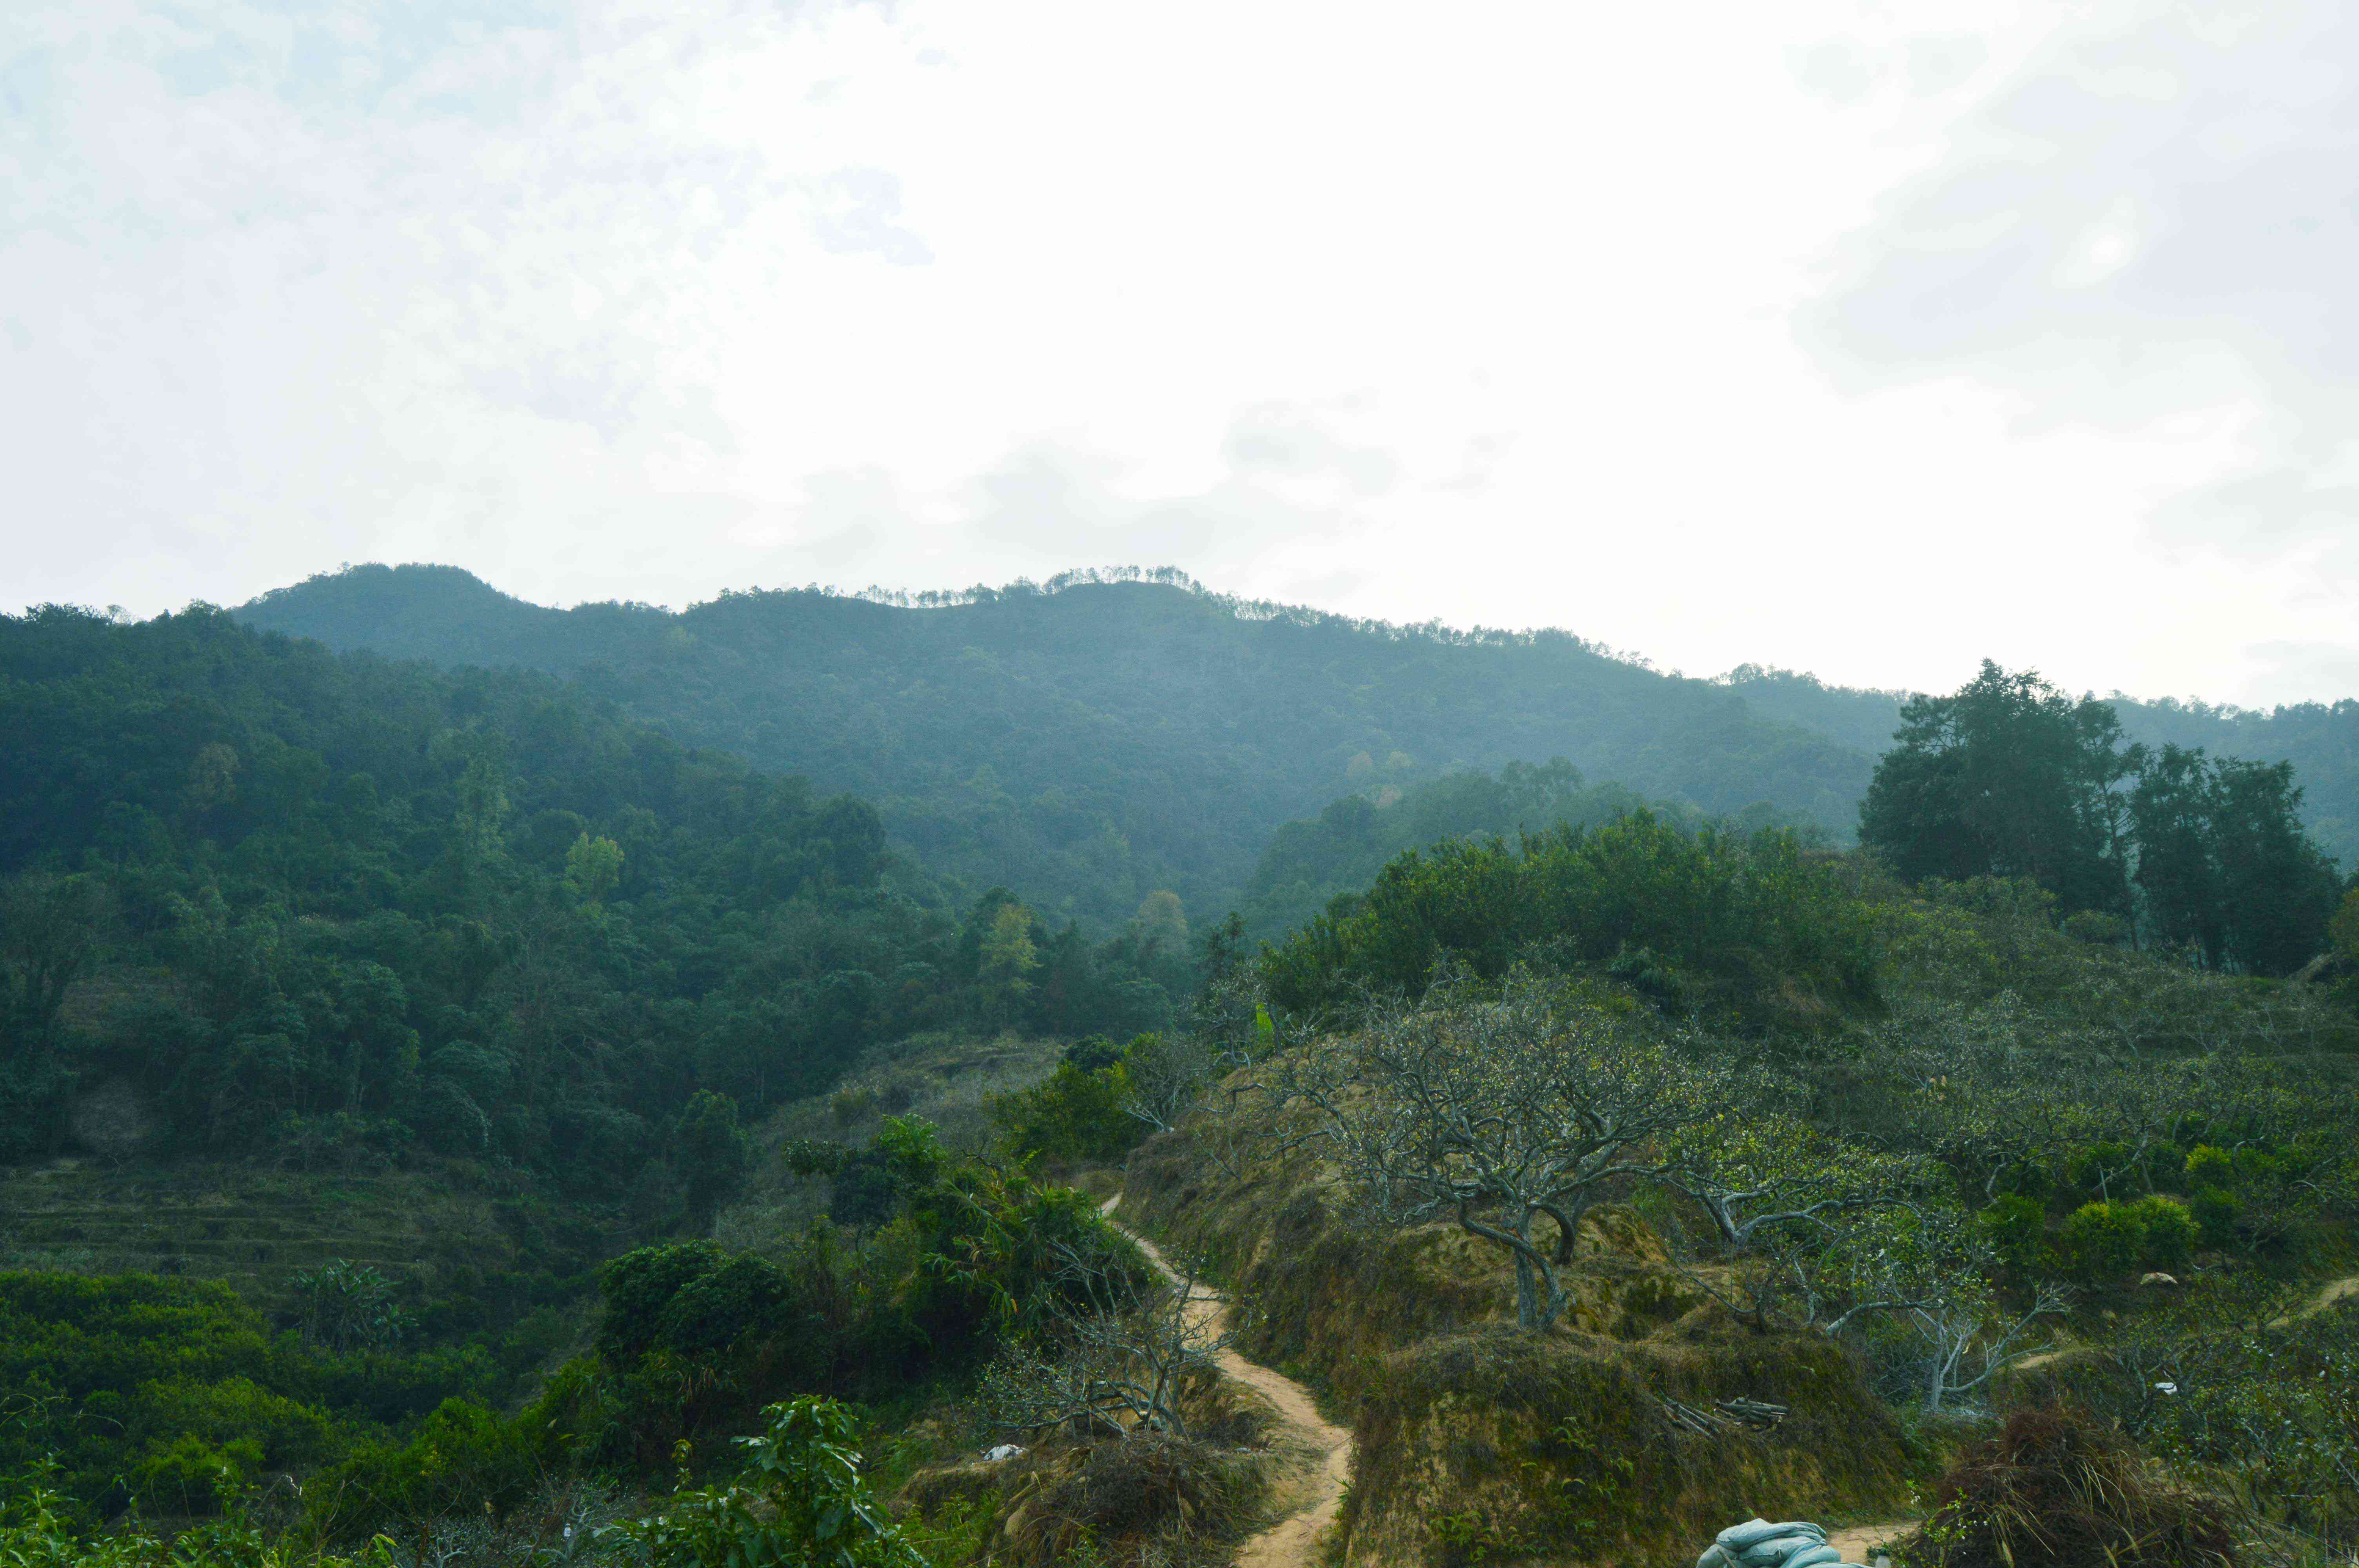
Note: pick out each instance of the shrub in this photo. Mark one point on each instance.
(1754, 922)
(2102, 1241)
(2210, 1167)
(2217, 1215)
(463, 1459)
(349, 1306)
(2016, 1226)
(2166, 1230)
(1076, 1114)
(802, 1501)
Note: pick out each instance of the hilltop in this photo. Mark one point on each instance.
(1103, 736)
(1103, 739)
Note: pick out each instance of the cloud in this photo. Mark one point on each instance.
(2151, 227)
(1482, 316)
(858, 212)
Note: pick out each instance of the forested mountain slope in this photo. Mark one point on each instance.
(260, 899)
(1341, 851)
(1096, 743)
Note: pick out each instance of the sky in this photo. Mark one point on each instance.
(1867, 340)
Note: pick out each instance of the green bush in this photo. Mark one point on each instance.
(2102, 1241)
(802, 1503)
(1753, 922)
(1076, 1114)
(2217, 1216)
(2210, 1167)
(463, 1459)
(2017, 1228)
(2167, 1231)
(37, 1530)
(194, 1476)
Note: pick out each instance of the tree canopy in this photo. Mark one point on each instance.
(2009, 778)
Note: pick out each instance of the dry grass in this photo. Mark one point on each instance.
(1480, 1443)
(2054, 1489)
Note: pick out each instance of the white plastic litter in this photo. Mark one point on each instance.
(1757, 1543)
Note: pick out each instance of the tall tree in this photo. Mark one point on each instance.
(2006, 777)
(2278, 889)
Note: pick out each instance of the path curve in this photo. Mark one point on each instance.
(1858, 1543)
(2329, 1293)
(2332, 1291)
(1294, 1541)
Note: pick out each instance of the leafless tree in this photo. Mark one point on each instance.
(1965, 1346)
(1754, 1172)
(1113, 1359)
(1166, 1074)
(1222, 1125)
(1828, 1277)
(1497, 1113)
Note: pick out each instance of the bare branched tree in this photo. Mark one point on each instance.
(1497, 1113)
(1223, 1127)
(1112, 1360)
(1166, 1074)
(1756, 1173)
(1828, 1277)
(1966, 1346)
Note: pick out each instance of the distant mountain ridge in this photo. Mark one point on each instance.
(1094, 740)
(1097, 742)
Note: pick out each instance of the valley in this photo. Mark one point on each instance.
(1101, 1074)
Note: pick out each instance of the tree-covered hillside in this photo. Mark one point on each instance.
(1339, 853)
(1097, 742)
(260, 899)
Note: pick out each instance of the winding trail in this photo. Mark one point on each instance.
(1318, 1488)
(2333, 1291)
(2329, 1293)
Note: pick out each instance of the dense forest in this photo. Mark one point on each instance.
(1337, 854)
(288, 903)
(1095, 741)
(775, 1158)
(1102, 736)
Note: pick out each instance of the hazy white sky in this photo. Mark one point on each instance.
(1863, 338)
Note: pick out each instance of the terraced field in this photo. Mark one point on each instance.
(256, 1228)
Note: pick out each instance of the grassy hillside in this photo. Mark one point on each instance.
(1098, 742)
(2049, 1122)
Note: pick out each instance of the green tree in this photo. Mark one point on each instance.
(713, 1153)
(2277, 891)
(2006, 777)
(2225, 868)
(594, 868)
(1009, 955)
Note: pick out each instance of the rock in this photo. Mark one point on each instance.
(2157, 1282)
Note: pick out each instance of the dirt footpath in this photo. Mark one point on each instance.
(1318, 1485)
